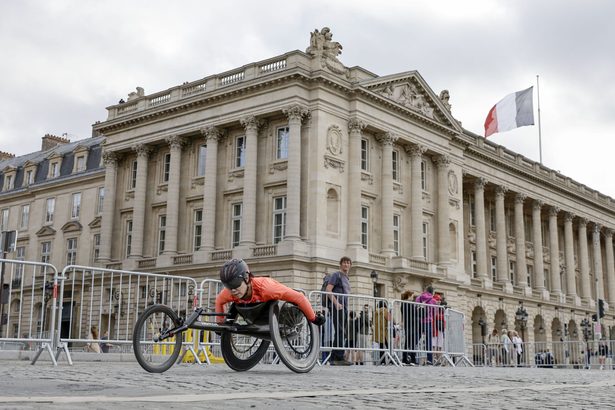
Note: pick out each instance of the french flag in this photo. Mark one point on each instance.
(513, 111)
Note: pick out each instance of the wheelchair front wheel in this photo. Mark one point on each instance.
(154, 355)
(294, 337)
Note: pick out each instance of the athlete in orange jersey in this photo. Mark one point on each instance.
(241, 286)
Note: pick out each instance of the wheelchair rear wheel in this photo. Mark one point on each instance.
(242, 352)
(295, 338)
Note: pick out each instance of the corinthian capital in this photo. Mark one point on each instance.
(295, 112)
(142, 150)
(501, 190)
(110, 158)
(569, 217)
(212, 133)
(520, 197)
(416, 150)
(387, 138)
(553, 211)
(537, 205)
(442, 161)
(251, 123)
(480, 182)
(175, 141)
(355, 125)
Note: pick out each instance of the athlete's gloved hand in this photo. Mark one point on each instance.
(319, 320)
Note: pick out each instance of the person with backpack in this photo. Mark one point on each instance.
(427, 298)
(338, 286)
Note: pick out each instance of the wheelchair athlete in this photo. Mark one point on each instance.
(240, 286)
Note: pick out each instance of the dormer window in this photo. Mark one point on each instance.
(80, 163)
(8, 182)
(54, 170)
(29, 177)
(81, 159)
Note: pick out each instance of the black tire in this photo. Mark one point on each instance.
(294, 337)
(156, 356)
(242, 352)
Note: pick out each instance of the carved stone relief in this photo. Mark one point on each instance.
(453, 184)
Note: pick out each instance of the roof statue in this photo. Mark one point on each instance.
(322, 47)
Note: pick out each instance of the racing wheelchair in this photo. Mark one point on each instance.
(245, 335)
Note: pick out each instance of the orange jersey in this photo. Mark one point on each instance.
(264, 290)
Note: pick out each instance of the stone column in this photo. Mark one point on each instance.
(501, 236)
(176, 143)
(355, 127)
(597, 262)
(295, 114)
(584, 260)
(520, 240)
(481, 238)
(212, 136)
(248, 228)
(106, 227)
(610, 264)
(571, 280)
(539, 272)
(444, 257)
(416, 201)
(138, 209)
(387, 140)
(556, 286)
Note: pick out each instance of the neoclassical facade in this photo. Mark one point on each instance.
(295, 161)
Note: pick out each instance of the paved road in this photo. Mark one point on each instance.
(117, 385)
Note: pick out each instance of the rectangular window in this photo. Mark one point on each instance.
(162, 232)
(19, 268)
(530, 275)
(511, 271)
(236, 224)
(80, 163)
(45, 252)
(76, 206)
(395, 165)
(133, 175)
(282, 143)
(365, 227)
(279, 218)
(472, 209)
(200, 168)
(55, 170)
(492, 223)
(4, 220)
(96, 247)
(166, 167)
(424, 175)
(473, 259)
(425, 240)
(197, 229)
(101, 200)
(29, 179)
(240, 152)
(494, 268)
(50, 209)
(71, 251)
(180, 289)
(396, 228)
(544, 229)
(509, 222)
(128, 237)
(8, 182)
(364, 154)
(24, 221)
(527, 221)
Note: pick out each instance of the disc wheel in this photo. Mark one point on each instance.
(294, 337)
(242, 352)
(154, 355)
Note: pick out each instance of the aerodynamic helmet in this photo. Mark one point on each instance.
(233, 272)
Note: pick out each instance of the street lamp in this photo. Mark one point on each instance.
(374, 276)
(521, 317)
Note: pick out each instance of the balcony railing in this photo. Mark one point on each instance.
(182, 259)
(147, 263)
(221, 255)
(379, 259)
(267, 250)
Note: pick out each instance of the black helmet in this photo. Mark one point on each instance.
(233, 272)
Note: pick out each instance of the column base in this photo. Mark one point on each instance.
(545, 294)
(292, 247)
(507, 287)
(243, 251)
(487, 283)
(357, 254)
(131, 263)
(576, 300)
(527, 291)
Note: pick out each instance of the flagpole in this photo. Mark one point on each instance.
(539, 129)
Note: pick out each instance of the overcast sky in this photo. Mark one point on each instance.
(63, 62)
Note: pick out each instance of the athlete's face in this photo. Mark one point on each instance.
(240, 291)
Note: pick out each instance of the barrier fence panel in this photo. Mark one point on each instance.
(454, 341)
(28, 306)
(99, 307)
(209, 342)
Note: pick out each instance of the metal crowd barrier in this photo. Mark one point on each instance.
(29, 301)
(390, 331)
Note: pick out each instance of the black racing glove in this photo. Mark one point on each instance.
(319, 320)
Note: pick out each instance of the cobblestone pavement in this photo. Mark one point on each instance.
(117, 385)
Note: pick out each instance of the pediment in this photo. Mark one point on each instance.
(9, 168)
(410, 91)
(72, 226)
(46, 231)
(54, 155)
(80, 148)
(30, 163)
(96, 222)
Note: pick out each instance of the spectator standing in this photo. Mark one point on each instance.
(506, 347)
(340, 284)
(603, 352)
(518, 345)
(351, 340)
(410, 328)
(363, 325)
(104, 346)
(93, 345)
(493, 347)
(427, 298)
(381, 329)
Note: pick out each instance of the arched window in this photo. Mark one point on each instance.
(332, 211)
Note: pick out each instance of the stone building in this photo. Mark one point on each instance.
(295, 161)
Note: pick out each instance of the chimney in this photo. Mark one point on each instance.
(6, 155)
(50, 141)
